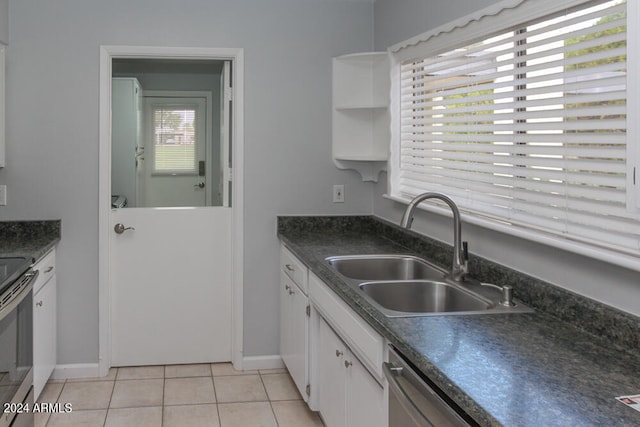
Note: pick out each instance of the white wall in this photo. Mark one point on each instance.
(52, 116)
(397, 20)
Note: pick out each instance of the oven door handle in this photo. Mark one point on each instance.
(392, 372)
(17, 292)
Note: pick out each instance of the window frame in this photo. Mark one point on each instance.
(176, 99)
(501, 17)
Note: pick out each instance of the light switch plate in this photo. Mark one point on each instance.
(3, 195)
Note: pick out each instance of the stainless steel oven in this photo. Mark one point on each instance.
(16, 343)
(414, 402)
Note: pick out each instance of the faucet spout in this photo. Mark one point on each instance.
(460, 265)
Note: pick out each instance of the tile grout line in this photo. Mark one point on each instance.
(215, 395)
(113, 389)
(164, 390)
(269, 399)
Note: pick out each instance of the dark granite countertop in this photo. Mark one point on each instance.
(28, 238)
(502, 369)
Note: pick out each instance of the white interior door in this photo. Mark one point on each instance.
(170, 250)
(170, 286)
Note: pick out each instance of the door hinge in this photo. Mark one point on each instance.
(228, 94)
(308, 310)
(308, 389)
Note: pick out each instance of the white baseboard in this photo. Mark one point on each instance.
(76, 370)
(92, 370)
(252, 363)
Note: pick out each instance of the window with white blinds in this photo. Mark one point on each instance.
(174, 138)
(527, 126)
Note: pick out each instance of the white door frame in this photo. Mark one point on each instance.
(236, 56)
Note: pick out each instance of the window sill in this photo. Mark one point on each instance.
(601, 254)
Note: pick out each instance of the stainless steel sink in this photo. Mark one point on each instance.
(401, 285)
(385, 267)
(422, 296)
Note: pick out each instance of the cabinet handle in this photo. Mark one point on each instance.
(48, 270)
(39, 303)
(291, 292)
(289, 267)
(347, 363)
(338, 353)
(287, 287)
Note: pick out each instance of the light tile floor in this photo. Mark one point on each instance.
(208, 395)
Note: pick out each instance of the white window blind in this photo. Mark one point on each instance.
(174, 139)
(527, 126)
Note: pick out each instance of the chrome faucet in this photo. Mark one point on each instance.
(460, 254)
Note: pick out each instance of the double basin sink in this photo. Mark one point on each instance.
(407, 286)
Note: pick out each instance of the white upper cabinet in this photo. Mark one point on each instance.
(4, 22)
(2, 107)
(360, 113)
(4, 41)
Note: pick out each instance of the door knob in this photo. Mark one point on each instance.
(200, 185)
(120, 228)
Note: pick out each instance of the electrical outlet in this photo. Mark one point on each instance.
(338, 193)
(3, 195)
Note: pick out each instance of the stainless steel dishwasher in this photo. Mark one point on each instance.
(413, 402)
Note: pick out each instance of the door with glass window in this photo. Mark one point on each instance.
(170, 257)
(175, 150)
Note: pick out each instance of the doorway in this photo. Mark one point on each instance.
(173, 272)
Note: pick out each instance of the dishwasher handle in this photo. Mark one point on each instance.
(419, 400)
(392, 372)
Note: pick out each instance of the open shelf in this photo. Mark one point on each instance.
(360, 113)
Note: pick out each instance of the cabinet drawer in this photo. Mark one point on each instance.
(364, 341)
(47, 267)
(294, 268)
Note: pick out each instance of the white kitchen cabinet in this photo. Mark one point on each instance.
(294, 320)
(332, 378)
(4, 41)
(360, 116)
(358, 335)
(347, 370)
(4, 22)
(2, 106)
(348, 395)
(44, 322)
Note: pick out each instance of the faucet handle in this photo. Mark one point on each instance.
(465, 250)
(507, 296)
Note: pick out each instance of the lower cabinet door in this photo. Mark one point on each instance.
(299, 330)
(286, 319)
(44, 335)
(365, 398)
(294, 333)
(332, 396)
